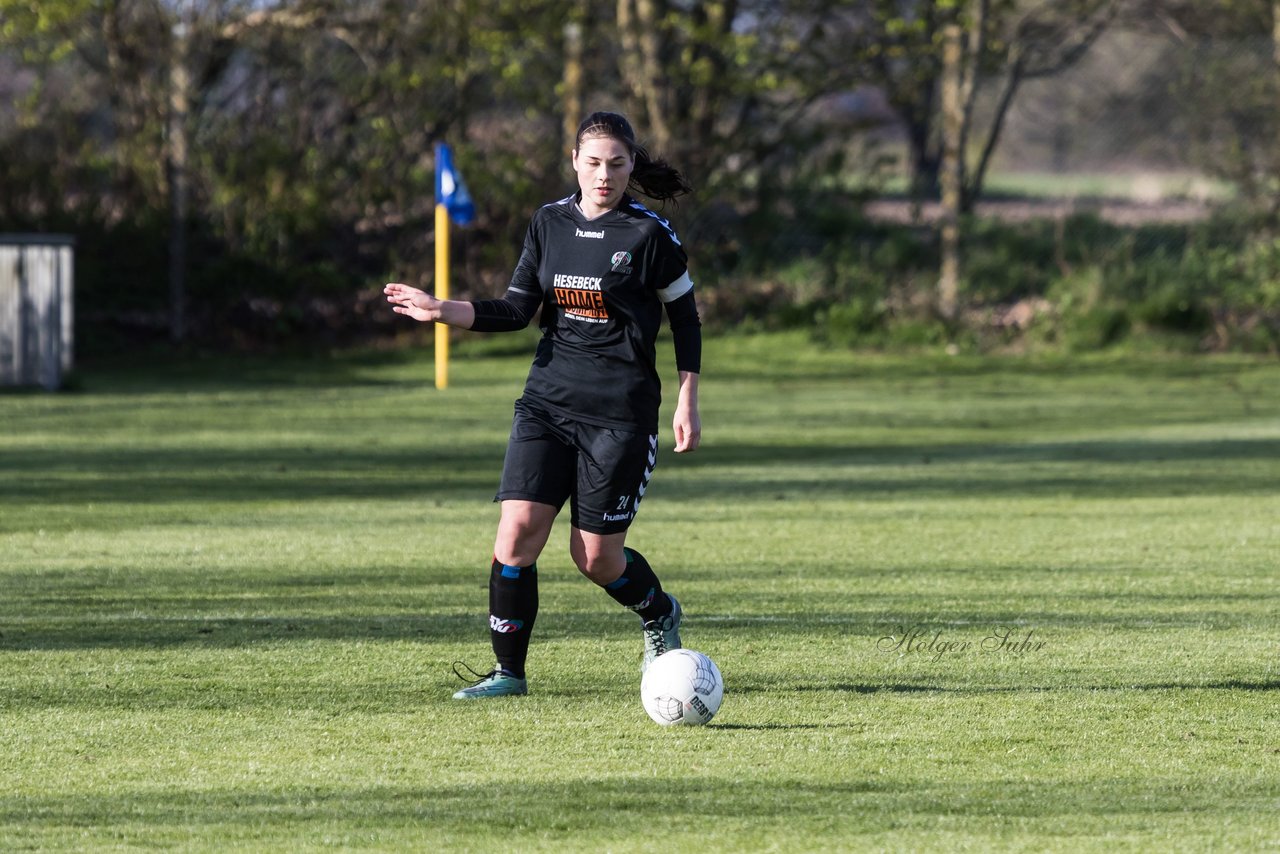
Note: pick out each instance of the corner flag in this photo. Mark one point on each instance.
(452, 202)
(450, 191)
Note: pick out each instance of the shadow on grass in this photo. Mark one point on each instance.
(169, 475)
(123, 628)
(1085, 469)
(970, 618)
(1226, 685)
(206, 618)
(163, 374)
(1120, 469)
(716, 726)
(814, 363)
(850, 801)
(101, 608)
(217, 632)
(1127, 452)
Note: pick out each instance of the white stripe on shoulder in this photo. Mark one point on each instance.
(665, 223)
(676, 289)
(566, 200)
(523, 290)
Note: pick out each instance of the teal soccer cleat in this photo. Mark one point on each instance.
(496, 683)
(661, 635)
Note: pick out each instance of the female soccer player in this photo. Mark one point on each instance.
(602, 267)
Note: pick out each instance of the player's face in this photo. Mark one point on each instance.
(604, 167)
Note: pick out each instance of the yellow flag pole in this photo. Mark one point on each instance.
(442, 293)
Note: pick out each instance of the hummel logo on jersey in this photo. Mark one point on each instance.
(598, 235)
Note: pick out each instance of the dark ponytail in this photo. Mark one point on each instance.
(655, 178)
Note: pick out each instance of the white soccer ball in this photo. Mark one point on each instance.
(682, 687)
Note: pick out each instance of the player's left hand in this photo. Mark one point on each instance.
(688, 428)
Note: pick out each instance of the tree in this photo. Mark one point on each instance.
(675, 64)
(1041, 43)
(957, 108)
(1229, 87)
(1044, 41)
(294, 137)
(739, 95)
(899, 46)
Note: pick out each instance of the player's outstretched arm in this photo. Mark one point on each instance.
(420, 305)
(687, 423)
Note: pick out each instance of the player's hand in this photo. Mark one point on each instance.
(688, 428)
(412, 301)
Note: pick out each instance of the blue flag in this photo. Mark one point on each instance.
(450, 191)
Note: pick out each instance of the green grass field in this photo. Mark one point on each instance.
(232, 592)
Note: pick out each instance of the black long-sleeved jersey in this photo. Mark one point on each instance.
(602, 284)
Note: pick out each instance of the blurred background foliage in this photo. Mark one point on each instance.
(1120, 168)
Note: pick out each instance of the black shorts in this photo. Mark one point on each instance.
(603, 471)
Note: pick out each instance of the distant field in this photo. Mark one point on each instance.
(1124, 199)
(960, 603)
(1142, 187)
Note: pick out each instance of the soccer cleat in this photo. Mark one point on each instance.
(496, 683)
(661, 635)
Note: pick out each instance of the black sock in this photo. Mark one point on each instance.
(638, 588)
(513, 606)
